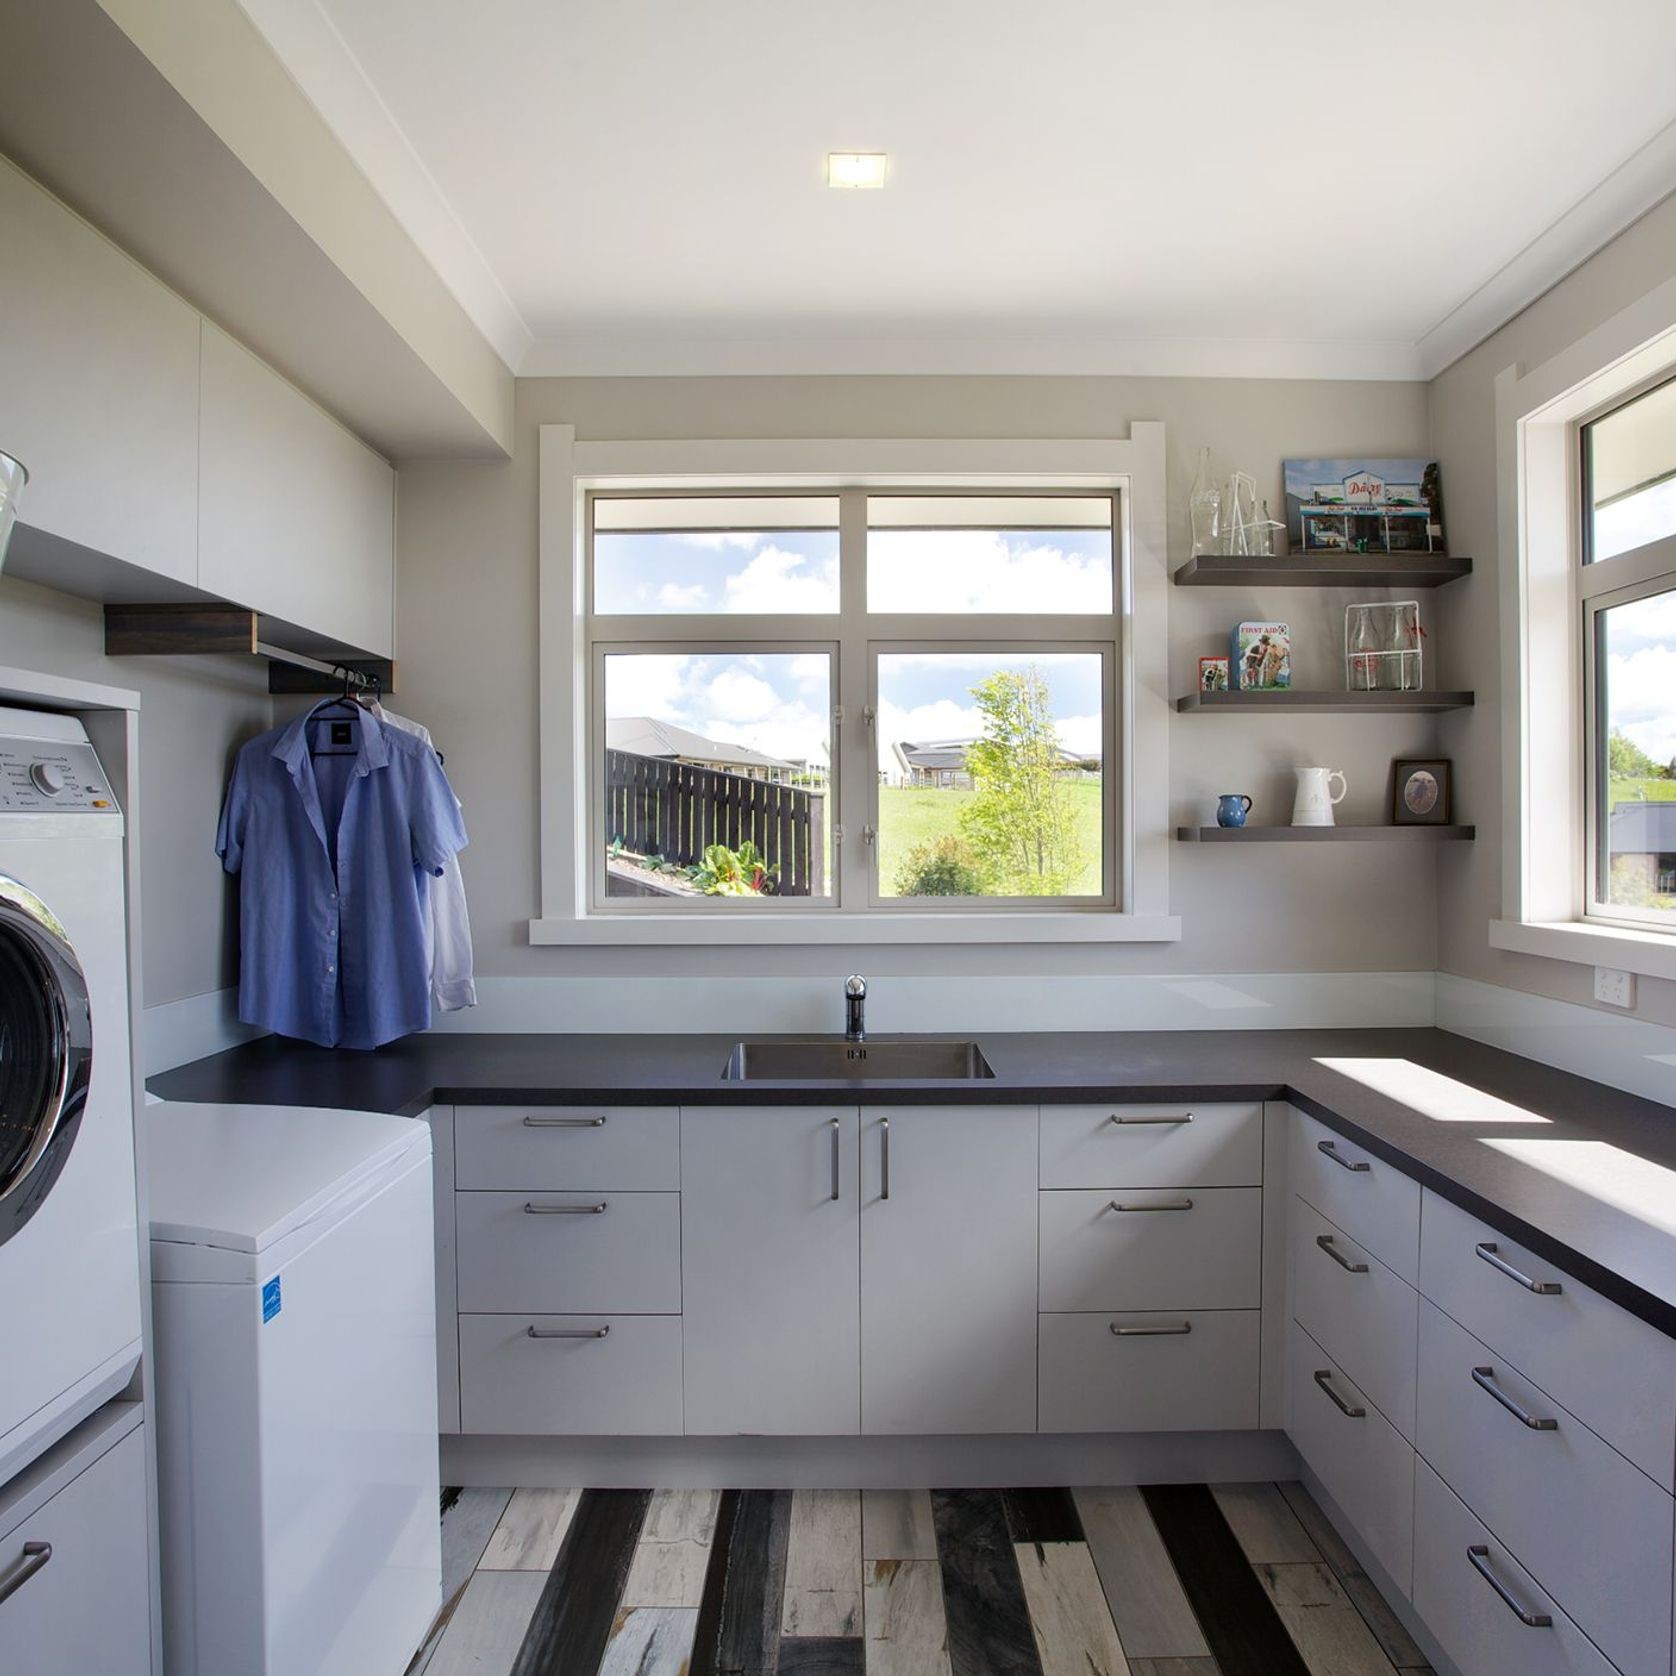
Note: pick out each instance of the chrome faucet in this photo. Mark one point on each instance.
(855, 1008)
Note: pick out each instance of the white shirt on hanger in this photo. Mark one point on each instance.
(453, 986)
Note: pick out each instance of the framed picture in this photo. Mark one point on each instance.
(1213, 675)
(1422, 792)
(1361, 505)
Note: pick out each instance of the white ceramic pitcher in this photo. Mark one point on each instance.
(1313, 806)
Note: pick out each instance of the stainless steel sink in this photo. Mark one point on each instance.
(869, 1061)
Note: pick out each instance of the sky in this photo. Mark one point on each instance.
(796, 571)
(1641, 674)
(780, 702)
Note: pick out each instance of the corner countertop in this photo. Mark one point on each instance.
(1581, 1174)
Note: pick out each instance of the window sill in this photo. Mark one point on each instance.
(1649, 954)
(669, 930)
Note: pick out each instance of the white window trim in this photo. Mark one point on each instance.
(1134, 466)
(1539, 518)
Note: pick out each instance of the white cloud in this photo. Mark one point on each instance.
(673, 597)
(714, 539)
(1082, 734)
(738, 697)
(793, 732)
(651, 685)
(1642, 699)
(812, 671)
(776, 580)
(979, 570)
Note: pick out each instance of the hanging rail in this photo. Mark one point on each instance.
(178, 630)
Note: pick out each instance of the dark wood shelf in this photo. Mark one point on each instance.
(1320, 834)
(1320, 703)
(1322, 570)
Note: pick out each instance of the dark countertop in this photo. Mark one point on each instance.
(1582, 1174)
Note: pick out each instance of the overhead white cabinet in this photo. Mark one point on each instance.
(770, 1247)
(296, 515)
(948, 1258)
(99, 389)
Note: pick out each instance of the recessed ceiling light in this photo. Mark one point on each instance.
(855, 168)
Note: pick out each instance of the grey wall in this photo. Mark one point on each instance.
(1462, 407)
(194, 712)
(466, 621)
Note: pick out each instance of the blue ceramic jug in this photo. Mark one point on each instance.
(1231, 808)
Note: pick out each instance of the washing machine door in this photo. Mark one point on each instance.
(46, 1052)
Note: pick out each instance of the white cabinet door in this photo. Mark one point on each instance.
(79, 1589)
(297, 517)
(99, 396)
(948, 1269)
(770, 1227)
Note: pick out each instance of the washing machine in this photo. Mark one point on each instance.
(69, 1257)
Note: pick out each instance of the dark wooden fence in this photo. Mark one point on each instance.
(674, 810)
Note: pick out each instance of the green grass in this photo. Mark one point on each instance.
(908, 817)
(1653, 789)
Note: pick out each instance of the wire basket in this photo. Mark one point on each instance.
(1383, 647)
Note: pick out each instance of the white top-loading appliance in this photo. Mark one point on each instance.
(294, 1316)
(69, 1251)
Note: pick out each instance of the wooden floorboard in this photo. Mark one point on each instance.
(1038, 1515)
(1147, 1601)
(650, 1641)
(531, 1531)
(1264, 1524)
(896, 1525)
(823, 1565)
(905, 1627)
(1326, 1627)
(488, 1625)
(577, 1611)
(983, 1597)
(822, 1655)
(469, 1517)
(673, 1553)
(1245, 1633)
(1174, 1667)
(1075, 1635)
(744, 1586)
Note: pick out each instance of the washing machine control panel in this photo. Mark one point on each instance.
(38, 776)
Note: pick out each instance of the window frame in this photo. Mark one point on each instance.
(1548, 761)
(1132, 469)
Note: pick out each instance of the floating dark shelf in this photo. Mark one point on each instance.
(1348, 703)
(1318, 834)
(1323, 570)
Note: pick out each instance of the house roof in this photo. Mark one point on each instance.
(1643, 829)
(646, 736)
(943, 754)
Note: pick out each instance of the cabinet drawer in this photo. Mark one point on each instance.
(561, 1252)
(1592, 1530)
(1615, 1373)
(1161, 1249)
(515, 1147)
(1365, 1316)
(1144, 1373)
(1478, 1627)
(614, 1376)
(84, 1607)
(1181, 1145)
(1376, 1205)
(1363, 1461)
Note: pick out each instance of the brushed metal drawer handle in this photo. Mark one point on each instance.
(35, 1556)
(884, 1157)
(569, 1332)
(1542, 1288)
(1121, 1121)
(1325, 1241)
(1331, 1150)
(835, 1162)
(1175, 1204)
(564, 1122)
(1151, 1332)
(1485, 1380)
(1479, 1555)
(1351, 1411)
(565, 1210)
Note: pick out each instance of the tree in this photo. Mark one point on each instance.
(1625, 760)
(1019, 822)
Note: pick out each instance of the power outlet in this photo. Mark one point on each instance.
(1614, 988)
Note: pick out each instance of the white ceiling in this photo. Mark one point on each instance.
(1142, 185)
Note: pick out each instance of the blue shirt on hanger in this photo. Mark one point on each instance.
(336, 854)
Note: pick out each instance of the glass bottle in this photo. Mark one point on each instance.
(1364, 665)
(1204, 506)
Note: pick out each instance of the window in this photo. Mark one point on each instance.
(1626, 584)
(864, 700)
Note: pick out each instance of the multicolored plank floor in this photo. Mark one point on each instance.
(1169, 1580)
